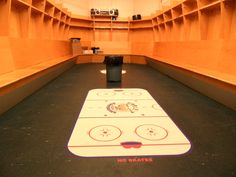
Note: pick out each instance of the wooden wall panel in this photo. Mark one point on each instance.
(19, 21)
(212, 58)
(113, 47)
(227, 58)
(6, 62)
(83, 33)
(233, 23)
(142, 35)
(4, 17)
(120, 35)
(28, 52)
(103, 35)
(142, 48)
(202, 54)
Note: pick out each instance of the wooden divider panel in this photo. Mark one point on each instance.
(7, 64)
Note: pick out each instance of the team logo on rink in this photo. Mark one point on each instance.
(123, 107)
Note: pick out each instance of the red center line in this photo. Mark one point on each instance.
(173, 144)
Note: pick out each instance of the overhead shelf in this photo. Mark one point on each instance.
(195, 19)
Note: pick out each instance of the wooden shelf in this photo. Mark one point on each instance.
(207, 3)
(141, 24)
(61, 31)
(20, 15)
(141, 27)
(27, 1)
(142, 20)
(120, 21)
(102, 27)
(209, 21)
(192, 26)
(179, 17)
(55, 28)
(82, 26)
(154, 21)
(68, 20)
(189, 6)
(81, 23)
(193, 19)
(20, 3)
(120, 28)
(178, 29)
(210, 6)
(167, 16)
(122, 25)
(49, 8)
(57, 14)
(169, 31)
(47, 27)
(228, 20)
(191, 12)
(63, 17)
(39, 4)
(34, 10)
(177, 11)
(102, 20)
(160, 18)
(36, 23)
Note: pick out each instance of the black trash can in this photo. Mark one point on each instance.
(113, 67)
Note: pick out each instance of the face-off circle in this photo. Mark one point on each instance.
(132, 93)
(105, 94)
(151, 132)
(105, 133)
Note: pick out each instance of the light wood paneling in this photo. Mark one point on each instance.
(4, 17)
(113, 47)
(7, 64)
(37, 51)
(212, 58)
(142, 48)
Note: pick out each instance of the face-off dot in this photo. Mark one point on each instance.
(151, 132)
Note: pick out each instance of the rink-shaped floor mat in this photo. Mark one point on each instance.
(125, 122)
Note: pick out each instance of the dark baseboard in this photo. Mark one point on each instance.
(217, 90)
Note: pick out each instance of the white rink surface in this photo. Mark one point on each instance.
(125, 122)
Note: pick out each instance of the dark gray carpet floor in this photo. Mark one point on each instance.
(34, 134)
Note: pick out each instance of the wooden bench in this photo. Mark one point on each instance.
(18, 84)
(223, 77)
(20, 74)
(28, 64)
(206, 66)
(214, 59)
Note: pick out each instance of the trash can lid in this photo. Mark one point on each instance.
(75, 38)
(113, 60)
(95, 48)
